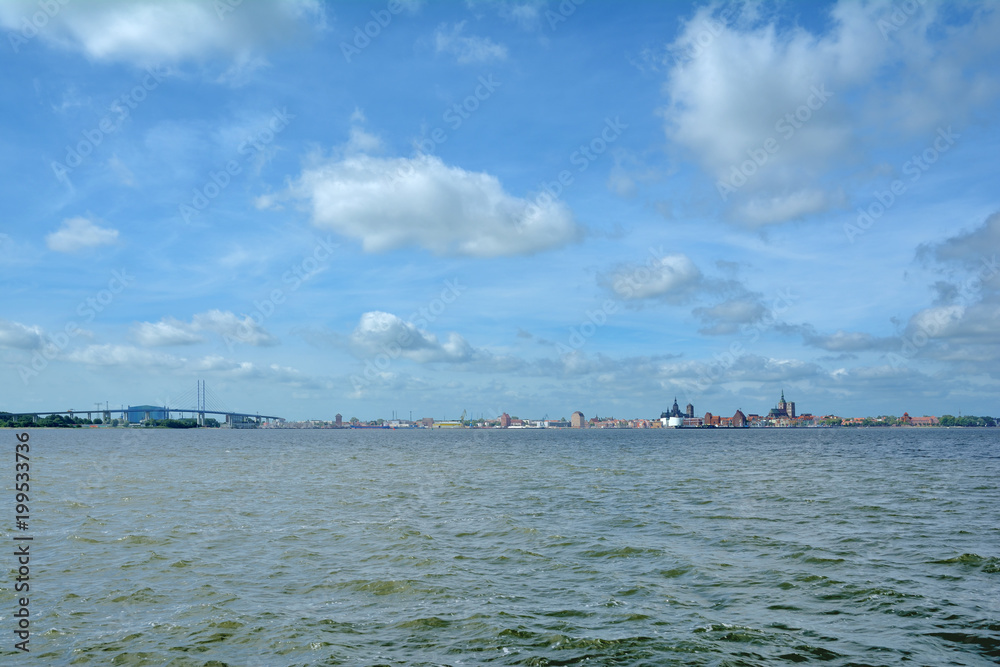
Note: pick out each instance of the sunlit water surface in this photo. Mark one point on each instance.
(281, 547)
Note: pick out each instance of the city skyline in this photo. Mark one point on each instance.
(523, 207)
(206, 403)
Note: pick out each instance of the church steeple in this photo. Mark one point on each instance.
(675, 410)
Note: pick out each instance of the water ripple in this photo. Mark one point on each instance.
(528, 548)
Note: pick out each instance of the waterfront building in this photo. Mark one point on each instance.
(674, 418)
(784, 410)
(674, 411)
(689, 411)
(136, 414)
(919, 421)
(578, 420)
(505, 420)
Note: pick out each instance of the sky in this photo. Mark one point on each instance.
(421, 208)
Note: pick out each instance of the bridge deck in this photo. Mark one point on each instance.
(164, 409)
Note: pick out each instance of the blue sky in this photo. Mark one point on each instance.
(532, 207)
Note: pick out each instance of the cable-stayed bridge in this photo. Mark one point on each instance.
(196, 404)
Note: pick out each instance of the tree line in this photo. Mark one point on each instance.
(62, 421)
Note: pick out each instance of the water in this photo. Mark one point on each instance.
(760, 547)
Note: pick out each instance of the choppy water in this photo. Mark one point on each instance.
(861, 547)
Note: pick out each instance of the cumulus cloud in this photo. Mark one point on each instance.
(957, 324)
(78, 234)
(840, 341)
(384, 333)
(139, 358)
(167, 331)
(764, 108)
(361, 141)
(19, 336)
(975, 249)
(962, 327)
(467, 49)
(232, 328)
(673, 278)
(768, 210)
(147, 31)
(389, 203)
(725, 318)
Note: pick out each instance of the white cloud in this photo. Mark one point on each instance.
(384, 333)
(19, 336)
(766, 210)
(975, 249)
(725, 318)
(467, 49)
(79, 234)
(773, 114)
(137, 358)
(167, 331)
(232, 328)
(362, 142)
(389, 203)
(146, 32)
(840, 340)
(673, 278)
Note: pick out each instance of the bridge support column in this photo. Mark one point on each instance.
(106, 417)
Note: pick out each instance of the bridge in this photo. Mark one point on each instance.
(141, 414)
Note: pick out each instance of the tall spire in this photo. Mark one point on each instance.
(782, 395)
